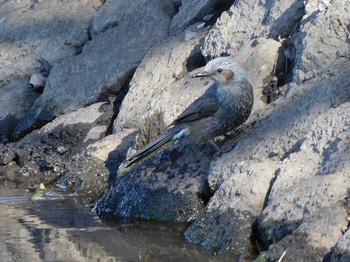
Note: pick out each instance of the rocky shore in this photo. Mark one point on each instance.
(118, 72)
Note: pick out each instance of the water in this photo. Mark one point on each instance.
(59, 230)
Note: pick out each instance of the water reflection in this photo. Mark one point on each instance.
(56, 230)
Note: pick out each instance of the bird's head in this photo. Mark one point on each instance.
(223, 70)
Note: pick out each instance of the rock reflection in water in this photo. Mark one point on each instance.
(56, 230)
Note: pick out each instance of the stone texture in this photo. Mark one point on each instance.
(284, 181)
(109, 60)
(158, 84)
(298, 130)
(35, 35)
(237, 26)
(58, 152)
(169, 187)
(341, 251)
(332, 40)
(194, 11)
(15, 100)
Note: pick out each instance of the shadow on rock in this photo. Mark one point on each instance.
(172, 186)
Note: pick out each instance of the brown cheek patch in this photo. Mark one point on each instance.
(228, 74)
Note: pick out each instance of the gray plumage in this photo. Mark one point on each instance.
(223, 107)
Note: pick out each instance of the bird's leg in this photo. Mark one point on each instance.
(218, 148)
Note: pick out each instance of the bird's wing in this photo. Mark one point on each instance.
(203, 107)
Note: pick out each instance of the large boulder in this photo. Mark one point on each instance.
(109, 60)
(15, 100)
(293, 161)
(36, 35)
(158, 84)
(194, 11)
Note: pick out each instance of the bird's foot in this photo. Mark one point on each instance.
(219, 149)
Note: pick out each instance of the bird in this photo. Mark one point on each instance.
(223, 107)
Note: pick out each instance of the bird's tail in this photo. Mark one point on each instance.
(152, 146)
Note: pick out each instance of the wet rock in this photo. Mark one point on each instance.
(58, 153)
(233, 228)
(169, 187)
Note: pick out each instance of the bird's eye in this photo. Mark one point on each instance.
(219, 70)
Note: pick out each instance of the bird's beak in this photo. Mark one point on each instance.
(202, 74)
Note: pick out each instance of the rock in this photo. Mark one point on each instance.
(341, 251)
(37, 83)
(270, 20)
(281, 187)
(192, 12)
(311, 241)
(24, 30)
(258, 57)
(232, 226)
(297, 193)
(58, 152)
(7, 125)
(15, 100)
(111, 57)
(112, 151)
(313, 59)
(113, 14)
(169, 187)
(34, 119)
(158, 84)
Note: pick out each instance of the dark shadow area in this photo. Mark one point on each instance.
(170, 186)
(117, 100)
(288, 23)
(285, 63)
(195, 59)
(218, 8)
(117, 157)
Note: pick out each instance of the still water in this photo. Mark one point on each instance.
(57, 229)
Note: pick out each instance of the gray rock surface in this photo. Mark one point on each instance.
(158, 84)
(15, 101)
(341, 251)
(332, 40)
(194, 11)
(283, 185)
(309, 125)
(237, 26)
(35, 35)
(109, 60)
